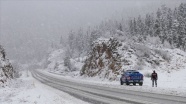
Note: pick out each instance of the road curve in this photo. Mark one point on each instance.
(104, 95)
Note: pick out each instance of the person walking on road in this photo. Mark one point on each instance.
(154, 78)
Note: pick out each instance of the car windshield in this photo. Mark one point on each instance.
(135, 72)
(131, 72)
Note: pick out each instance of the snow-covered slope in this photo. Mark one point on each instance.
(6, 69)
(148, 57)
(137, 56)
(59, 63)
(27, 90)
(109, 57)
(55, 59)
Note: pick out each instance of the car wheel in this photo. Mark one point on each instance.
(141, 83)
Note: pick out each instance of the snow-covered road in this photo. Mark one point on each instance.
(27, 90)
(101, 94)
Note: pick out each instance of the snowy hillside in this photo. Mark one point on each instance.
(110, 57)
(145, 43)
(170, 64)
(59, 63)
(147, 56)
(6, 69)
(137, 56)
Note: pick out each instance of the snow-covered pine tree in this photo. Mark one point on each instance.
(61, 40)
(140, 26)
(131, 27)
(182, 25)
(149, 25)
(134, 26)
(71, 43)
(80, 41)
(163, 23)
(169, 26)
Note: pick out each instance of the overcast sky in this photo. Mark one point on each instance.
(35, 24)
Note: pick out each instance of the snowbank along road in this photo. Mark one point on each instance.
(104, 95)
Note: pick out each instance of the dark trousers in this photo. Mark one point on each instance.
(154, 81)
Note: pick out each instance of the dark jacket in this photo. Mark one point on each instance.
(154, 76)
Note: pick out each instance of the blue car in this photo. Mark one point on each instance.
(131, 76)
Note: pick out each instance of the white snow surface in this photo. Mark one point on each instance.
(56, 63)
(168, 83)
(27, 90)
